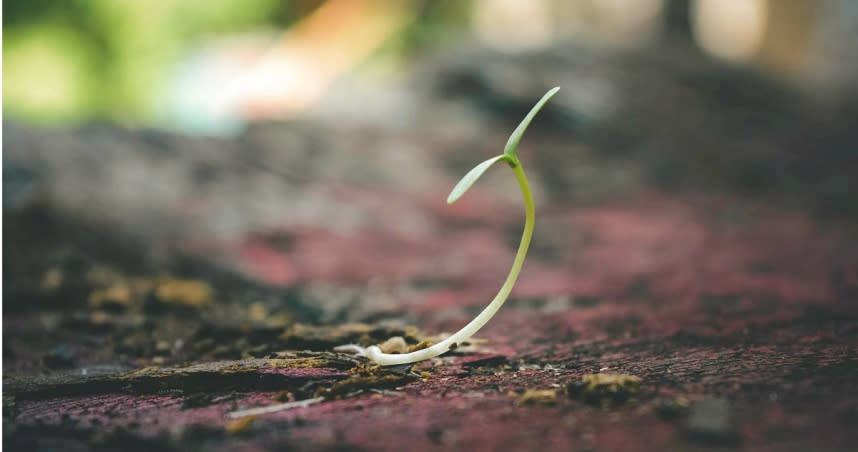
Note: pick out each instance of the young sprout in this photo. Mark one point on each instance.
(509, 156)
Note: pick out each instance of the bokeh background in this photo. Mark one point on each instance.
(199, 66)
(226, 181)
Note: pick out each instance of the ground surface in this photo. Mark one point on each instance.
(203, 281)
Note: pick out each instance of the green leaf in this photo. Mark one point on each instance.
(515, 138)
(472, 177)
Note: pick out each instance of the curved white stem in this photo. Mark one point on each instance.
(387, 359)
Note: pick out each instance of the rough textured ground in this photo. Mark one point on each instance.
(155, 283)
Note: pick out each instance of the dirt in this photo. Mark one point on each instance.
(766, 367)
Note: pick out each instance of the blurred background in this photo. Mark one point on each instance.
(696, 148)
(210, 67)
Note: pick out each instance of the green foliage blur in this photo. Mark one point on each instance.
(78, 59)
(72, 61)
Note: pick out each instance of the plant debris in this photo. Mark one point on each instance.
(291, 370)
(367, 376)
(536, 397)
(192, 294)
(255, 412)
(604, 388)
(303, 336)
(240, 425)
(423, 344)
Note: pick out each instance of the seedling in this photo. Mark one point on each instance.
(509, 156)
